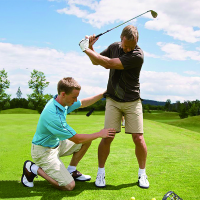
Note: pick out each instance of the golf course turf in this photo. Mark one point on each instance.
(172, 163)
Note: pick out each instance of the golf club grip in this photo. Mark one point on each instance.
(90, 112)
(98, 35)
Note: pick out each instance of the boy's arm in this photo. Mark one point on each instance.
(84, 138)
(91, 100)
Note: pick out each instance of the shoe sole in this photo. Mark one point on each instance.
(142, 186)
(82, 180)
(24, 170)
(100, 186)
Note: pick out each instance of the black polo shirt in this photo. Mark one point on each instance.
(123, 85)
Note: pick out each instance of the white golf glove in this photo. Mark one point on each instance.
(84, 44)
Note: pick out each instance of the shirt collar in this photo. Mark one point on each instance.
(58, 104)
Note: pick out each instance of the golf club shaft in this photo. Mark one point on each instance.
(121, 24)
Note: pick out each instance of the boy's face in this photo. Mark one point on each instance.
(128, 45)
(69, 99)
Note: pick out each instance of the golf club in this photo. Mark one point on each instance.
(90, 112)
(153, 13)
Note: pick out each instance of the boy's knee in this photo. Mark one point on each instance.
(87, 145)
(69, 186)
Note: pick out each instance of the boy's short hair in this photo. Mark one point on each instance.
(130, 32)
(67, 85)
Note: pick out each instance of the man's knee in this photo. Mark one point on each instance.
(138, 138)
(107, 141)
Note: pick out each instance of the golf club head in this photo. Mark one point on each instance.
(154, 14)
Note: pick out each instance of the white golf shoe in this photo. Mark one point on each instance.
(78, 176)
(28, 176)
(100, 180)
(143, 182)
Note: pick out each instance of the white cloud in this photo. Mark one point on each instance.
(73, 10)
(161, 86)
(19, 61)
(178, 19)
(192, 73)
(177, 52)
(146, 54)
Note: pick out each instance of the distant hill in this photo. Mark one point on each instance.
(152, 102)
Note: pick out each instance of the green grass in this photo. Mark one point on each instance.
(172, 118)
(161, 116)
(18, 111)
(172, 164)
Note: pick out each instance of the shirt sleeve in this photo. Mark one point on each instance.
(74, 106)
(106, 52)
(132, 60)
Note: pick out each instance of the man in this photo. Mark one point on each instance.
(124, 59)
(54, 138)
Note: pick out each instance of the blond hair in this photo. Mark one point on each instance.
(67, 85)
(130, 32)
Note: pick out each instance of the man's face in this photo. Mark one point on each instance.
(128, 45)
(69, 99)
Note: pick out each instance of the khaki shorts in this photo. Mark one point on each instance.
(49, 160)
(132, 112)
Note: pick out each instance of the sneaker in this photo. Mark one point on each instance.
(80, 177)
(143, 182)
(100, 180)
(28, 175)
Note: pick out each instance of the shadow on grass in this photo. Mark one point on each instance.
(14, 189)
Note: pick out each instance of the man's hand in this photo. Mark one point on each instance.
(92, 40)
(84, 43)
(105, 133)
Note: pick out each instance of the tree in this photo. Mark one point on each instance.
(4, 84)
(19, 93)
(6, 105)
(183, 111)
(168, 105)
(38, 83)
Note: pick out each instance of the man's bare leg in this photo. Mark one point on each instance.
(140, 149)
(103, 152)
(141, 154)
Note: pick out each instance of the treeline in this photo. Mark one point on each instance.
(25, 103)
(37, 100)
(185, 109)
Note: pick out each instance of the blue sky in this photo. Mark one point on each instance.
(44, 35)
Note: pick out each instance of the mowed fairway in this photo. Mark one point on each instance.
(173, 162)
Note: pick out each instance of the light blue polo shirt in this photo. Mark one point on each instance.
(52, 126)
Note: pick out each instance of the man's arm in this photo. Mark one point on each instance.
(90, 100)
(107, 63)
(86, 46)
(84, 138)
